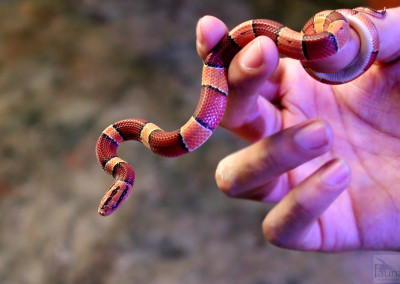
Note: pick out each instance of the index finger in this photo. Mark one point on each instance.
(206, 41)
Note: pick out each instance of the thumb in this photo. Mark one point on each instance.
(389, 35)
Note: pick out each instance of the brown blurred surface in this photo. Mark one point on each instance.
(379, 4)
(69, 69)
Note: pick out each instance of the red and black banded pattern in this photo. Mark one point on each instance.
(323, 35)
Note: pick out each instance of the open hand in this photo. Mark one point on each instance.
(329, 156)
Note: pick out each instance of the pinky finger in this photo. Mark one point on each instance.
(292, 223)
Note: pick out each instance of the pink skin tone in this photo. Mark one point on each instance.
(328, 156)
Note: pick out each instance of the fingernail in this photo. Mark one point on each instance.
(335, 173)
(312, 136)
(253, 58)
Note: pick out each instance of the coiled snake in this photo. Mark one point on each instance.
(323, 35)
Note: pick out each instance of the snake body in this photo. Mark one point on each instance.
(323, 35)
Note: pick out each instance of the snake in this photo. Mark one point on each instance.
(324, 35)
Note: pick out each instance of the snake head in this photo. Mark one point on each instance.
(114, 197)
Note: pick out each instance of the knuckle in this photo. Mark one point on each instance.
(223, 183)
(273, 233)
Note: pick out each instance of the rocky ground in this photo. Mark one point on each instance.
(70, 68)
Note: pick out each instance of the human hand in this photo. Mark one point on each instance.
(332, 194)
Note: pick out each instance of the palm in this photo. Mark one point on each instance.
(365, 117)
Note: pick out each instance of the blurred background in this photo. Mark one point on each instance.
(69, 69)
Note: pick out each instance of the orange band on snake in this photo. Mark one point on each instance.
(323, 35)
